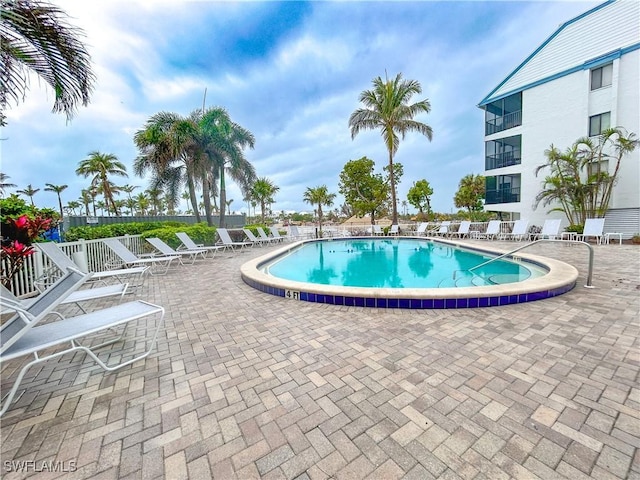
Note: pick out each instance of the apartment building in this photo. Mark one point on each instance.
(584, 78)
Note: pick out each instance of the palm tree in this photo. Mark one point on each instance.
(4, 184)
(36, 37)
(72, 205)
(29, 191)
(88, 196)
(319, 196)
(263, 191)
(225, 141)
(169, 150)
(100, 166)
(58, 189)
(387, 109)
(142, 203)
(154, 195)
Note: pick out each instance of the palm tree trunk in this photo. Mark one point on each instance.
(320, 218)
(223, 197)
(392, 177)
(206, 199)
(192, 197)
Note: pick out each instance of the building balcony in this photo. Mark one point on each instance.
(510, 195)
(500, 160)
(498, 124)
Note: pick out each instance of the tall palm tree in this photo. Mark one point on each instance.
(263, 191)
(142, 203)
(100, 166)
(29, 191)
(168, 149)
(58, 189)
(319, 196)
(387, 108)
(4, 184)
(225, 142)
(36, 37)
(154, 195)
(88, 196)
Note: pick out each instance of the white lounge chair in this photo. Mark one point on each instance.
(63, 262)
(253, 239)
(276, 234)
(183, 255)
(376, 230)
(23, 335)
(225, 238)
(550, 229)
(264, 236)
(463, 229)
(189, 244)
(492, 232)
(295, 234)
(519, 232)
(160, 264)
(593, 227)
(395, 230)
(422, 228)
(443, 229)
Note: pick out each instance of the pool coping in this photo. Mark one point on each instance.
(560, 279)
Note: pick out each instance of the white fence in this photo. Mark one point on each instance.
(92, 255)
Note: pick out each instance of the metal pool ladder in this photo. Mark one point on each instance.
(577, 242)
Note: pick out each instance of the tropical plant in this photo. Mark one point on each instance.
(37, 37)
(419, 196)
(88, 196)
(4, 184)
(100, 166)
(387, 108)
(142, 203)
(364, 191)
(471, 192)
(579, 180)
(262, 191)
(319, 196)
(58, 189)
(71, 207)
(29, 191)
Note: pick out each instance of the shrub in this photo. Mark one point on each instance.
(199, 233)
(575, 228)
(116, 230)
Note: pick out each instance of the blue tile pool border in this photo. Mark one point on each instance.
(415, 304)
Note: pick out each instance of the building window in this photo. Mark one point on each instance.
(502, 152)
(599, 123)
(601, 76)
(597, 170)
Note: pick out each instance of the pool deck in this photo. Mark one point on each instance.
(249, 385)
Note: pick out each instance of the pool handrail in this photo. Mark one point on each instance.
(577, 242)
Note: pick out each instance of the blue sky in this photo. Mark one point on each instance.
(291, 73)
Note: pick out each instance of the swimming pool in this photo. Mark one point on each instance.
(405, 272)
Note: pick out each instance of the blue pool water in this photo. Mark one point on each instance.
(395, 263)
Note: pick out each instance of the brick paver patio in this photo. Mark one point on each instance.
(247, 385)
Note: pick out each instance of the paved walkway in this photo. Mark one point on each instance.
(247, 385)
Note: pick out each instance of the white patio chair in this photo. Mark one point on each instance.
(189, 244)
(519, 232)
(264, 236)
(463, 229)
(593, 227)
(183, 255)
(550, 230)
(57, 256)
(23, 335)
(395, 230)
(225, 238)
(159, 264)
(253, 239)
(492, 232)
(442, 230)
(276, 234)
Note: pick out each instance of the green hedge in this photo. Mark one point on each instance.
(117, 230)
(200, 233)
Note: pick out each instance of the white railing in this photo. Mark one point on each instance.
(93, 255)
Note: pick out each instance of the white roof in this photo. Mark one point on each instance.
(597, 36)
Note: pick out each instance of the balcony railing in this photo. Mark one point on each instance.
(504, 122)
(510, 195)
(500, 160)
